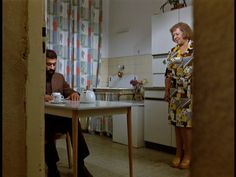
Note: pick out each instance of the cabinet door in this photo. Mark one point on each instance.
(156, 126)
(119, 123)
(186, 16)
(161, 36)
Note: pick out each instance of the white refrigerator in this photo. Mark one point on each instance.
(159, 63)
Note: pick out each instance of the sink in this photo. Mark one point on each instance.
(123, 82)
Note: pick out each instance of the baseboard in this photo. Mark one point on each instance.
(160, 147)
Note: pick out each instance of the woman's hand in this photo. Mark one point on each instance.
(167, 89)
(167, 96)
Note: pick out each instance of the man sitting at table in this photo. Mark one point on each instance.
(55, 82)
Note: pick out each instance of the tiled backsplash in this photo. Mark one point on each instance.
(138, 65)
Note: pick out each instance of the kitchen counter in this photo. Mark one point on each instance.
(154, 88)
(108, 93)
(109, 89)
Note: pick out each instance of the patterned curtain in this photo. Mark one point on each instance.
(74, 32)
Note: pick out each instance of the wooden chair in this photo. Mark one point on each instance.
(66, 136)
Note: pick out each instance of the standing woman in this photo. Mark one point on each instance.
(178, 86)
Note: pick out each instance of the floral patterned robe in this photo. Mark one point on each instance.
(179, 68)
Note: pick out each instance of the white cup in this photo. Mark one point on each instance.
(57, 96)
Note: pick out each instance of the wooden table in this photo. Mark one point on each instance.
(76, 110)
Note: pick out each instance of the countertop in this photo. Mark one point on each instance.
(154, 88)
(107, 93)
(109, 89)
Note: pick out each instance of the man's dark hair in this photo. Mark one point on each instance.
(51, 54)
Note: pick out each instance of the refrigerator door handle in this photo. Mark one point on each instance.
(164, 62)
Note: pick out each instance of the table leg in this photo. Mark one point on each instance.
(75, 120)
(129, 130)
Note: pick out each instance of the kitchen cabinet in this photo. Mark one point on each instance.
(120, 126)
(161, 38)
(156, 126)
(186, 16)
(161, 24)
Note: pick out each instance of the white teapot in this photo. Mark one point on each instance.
(87, 96)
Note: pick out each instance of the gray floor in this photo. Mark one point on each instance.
(108, 159)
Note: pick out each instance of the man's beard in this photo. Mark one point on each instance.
(50, 72)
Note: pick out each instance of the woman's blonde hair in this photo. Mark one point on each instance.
(185, 28)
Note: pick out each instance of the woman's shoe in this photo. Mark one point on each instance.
(175, 162)
(185, 163)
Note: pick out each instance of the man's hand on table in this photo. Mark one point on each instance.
(48, 98)
(74, 96)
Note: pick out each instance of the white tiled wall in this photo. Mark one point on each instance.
(138, 65)
(104, 73)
